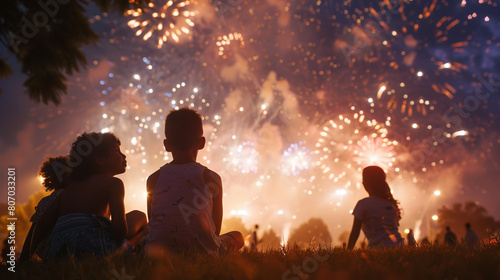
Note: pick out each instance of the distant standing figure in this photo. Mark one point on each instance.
(450, 238)
(410, 238)
(378, 215)
(471, 239)
(255, 240)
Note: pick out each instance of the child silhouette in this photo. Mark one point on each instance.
(185, 197)
(54, 172)
(378, 215)
(80, 215)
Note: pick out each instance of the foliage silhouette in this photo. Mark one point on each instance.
(313, 230)
(47, 37)
(269, 240)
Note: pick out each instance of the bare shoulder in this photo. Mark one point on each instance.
(108, 184)
(115, 185)
(211, 176)
(107, 180)
(213, 181)
(152, 180)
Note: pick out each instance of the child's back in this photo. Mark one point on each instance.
(380, 221)
(185, 197)
(90, 196)
(378, 215)
(181, 210)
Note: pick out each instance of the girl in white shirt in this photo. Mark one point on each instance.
(377, 215)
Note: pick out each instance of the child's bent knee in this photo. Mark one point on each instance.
(136, 220)
(136, 215)
(238, 238)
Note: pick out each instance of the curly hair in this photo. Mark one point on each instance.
(55, 171)
(84, 151)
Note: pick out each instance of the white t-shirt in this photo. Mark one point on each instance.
(379, 221)
(181, 210)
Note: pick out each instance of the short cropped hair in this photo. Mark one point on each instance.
(183, 128)
(86, 148)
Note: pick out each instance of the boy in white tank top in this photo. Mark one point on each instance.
(185, 197)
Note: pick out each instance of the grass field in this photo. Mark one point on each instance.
(293, 264)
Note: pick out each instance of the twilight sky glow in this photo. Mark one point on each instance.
(298, 96)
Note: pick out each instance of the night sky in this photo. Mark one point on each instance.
(297, 97)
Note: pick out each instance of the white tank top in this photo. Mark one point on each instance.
(181, 210)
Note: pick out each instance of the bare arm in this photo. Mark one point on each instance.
(214, 184)
(117, 207)
(356, 228)
(150, 186)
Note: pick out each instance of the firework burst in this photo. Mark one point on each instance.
(243, 157)
(295, 159)
(374, 150)
(418, 48)
(349, 143)
(224, 41)
(163, 20)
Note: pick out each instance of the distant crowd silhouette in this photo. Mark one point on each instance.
(85, 213)
(471, 240)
